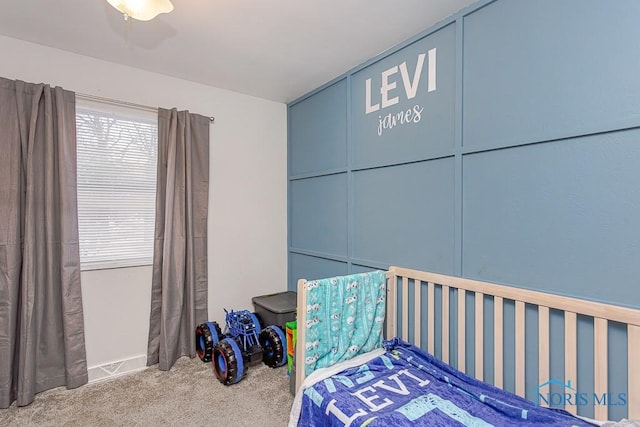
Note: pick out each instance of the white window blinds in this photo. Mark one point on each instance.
(117, 155)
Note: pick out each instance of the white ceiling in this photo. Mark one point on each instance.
(273, 49)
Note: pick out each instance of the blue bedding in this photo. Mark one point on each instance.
(408, 387)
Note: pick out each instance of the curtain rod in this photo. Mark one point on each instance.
(123, 103)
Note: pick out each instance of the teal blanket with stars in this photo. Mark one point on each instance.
(345, 317)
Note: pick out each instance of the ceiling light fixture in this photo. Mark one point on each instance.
(142, 10)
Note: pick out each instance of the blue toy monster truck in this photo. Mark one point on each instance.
(243, 344)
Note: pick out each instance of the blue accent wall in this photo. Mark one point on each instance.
(503, 144)
(433, 135)
(418, 214)
(318, 126)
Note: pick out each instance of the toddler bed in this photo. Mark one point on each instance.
(352, 381)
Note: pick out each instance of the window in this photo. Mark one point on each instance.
(117, 154)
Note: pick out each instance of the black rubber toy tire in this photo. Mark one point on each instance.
(228, 374)
(219, 332)
(203, 334)
(203, 331)
(273, 349)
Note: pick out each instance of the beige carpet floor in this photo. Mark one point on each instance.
(187, 395)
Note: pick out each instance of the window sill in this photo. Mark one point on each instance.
(115, 264)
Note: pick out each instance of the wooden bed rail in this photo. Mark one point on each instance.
(479, 292)
(601, 313)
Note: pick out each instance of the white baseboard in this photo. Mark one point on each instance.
(116, 369)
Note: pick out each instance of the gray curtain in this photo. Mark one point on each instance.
(179, 287)
(41, 321)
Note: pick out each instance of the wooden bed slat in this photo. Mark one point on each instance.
(498, 332)
(392, 302)
(431, 315)
(445, 324)
(461, 330)
(600, 364)
(543, 348)
(417, 313)
(302, 322)
(479, 326)
(405, 308)
(570, 354)
(633, 395)
(520, 348)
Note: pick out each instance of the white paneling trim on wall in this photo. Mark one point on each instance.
(247, 194)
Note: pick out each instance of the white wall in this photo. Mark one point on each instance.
(247, 198)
